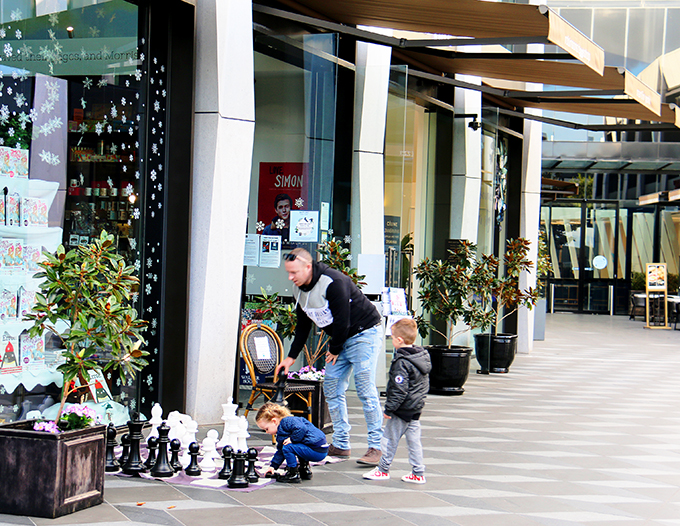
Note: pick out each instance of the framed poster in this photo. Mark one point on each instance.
(656, 276)
(282, 188)
(304, 225)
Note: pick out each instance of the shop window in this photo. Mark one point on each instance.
(72, 136)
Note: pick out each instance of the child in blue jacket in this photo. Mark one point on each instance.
(298, 441)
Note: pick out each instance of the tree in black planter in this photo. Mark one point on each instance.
(444, 294)
(498, 296)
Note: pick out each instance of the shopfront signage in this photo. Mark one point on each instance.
(392, 231)
(566, 36)
(638, 90)
(656, 280)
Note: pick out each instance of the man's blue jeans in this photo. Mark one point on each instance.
(360, 353)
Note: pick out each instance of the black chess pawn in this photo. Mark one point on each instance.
(134, 465)
(238, 472)
(175, 445)
(162, 467)
(251, 474)
(227, 454)
(152, 446)
(125, 442)
(193, 470)
(111, 463)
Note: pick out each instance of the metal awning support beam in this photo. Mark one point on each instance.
(407, 43)
(563, 94)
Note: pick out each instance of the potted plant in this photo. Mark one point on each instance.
(498, 296)
(543, 272)
(444, 294)
(54, 468)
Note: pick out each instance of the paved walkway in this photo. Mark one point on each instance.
(585, 430)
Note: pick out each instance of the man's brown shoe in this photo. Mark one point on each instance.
(337, 452)
(371, 458)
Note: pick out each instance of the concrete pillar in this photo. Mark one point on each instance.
(529, 218)
(467, 163)
(224, 124)
(368, 163)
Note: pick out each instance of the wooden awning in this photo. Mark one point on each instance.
(464, 18)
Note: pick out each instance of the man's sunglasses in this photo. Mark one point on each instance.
(290, 257)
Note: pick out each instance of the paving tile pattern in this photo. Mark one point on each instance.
(585, 430)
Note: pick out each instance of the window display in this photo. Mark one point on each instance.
(72, 121)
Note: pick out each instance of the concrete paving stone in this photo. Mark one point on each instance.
(276, 494)
(228, 517)
(148, 515)
(156, 492)
(14, 519)
(402, 499)
(102, 513)
(208, 495)
(361, 518)
(296, 518)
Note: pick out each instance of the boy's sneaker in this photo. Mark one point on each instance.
(414, 479)
(376, 474)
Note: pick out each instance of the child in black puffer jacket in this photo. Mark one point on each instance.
(406, 392)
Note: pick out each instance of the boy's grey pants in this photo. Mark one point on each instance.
(395, 428)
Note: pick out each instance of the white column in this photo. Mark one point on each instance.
(467, 163)
(371, 88)
(529, 216)
(224, 124)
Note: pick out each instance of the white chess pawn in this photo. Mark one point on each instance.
(156, 419)
(177, 430)
(243, 434)
(214, 435)
(208, 448)
(190, 435)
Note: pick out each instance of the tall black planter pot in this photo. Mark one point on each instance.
(450, 369)
(503, 350)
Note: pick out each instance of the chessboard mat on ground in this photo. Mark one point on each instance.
(211, 480)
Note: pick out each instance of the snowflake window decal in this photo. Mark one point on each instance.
(280, 224)
(299, 202)
(259, 226)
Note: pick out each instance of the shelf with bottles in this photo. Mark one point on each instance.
(102, 154)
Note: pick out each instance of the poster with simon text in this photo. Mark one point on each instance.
(281, 180)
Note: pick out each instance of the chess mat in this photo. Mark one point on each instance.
(209, 479)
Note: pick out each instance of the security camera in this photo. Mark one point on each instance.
(475, 125)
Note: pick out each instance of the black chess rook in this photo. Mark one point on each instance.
(238, 472)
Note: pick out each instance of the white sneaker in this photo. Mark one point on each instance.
(376, 474)
(413, 478)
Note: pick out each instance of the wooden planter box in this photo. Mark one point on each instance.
(321, 417)
(48, 475)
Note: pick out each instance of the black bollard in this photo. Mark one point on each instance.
(111, 464)
(238, 472)
(152, 446)
(251, 474)
(162, 467)
(175, 445)
(134, 463)
(227, 453)
(125, 442)
(193, 470)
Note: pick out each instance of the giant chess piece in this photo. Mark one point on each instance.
(134, 464)
(228, 409)
(227, 454)
(279, 396)
(208, 447)
(192, 469)
(152, 446)
(243, 434)
(190, 435)
(238, 472)
(125, 442)
(214, 435)
(177, 429)
(251, 474)
(162, 467)
(156, 419)
(175, 445)
(111, 463)
(233, 429)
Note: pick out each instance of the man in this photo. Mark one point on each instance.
(282, 205)
(335, 304)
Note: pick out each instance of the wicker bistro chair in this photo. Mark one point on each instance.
(262, 350)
